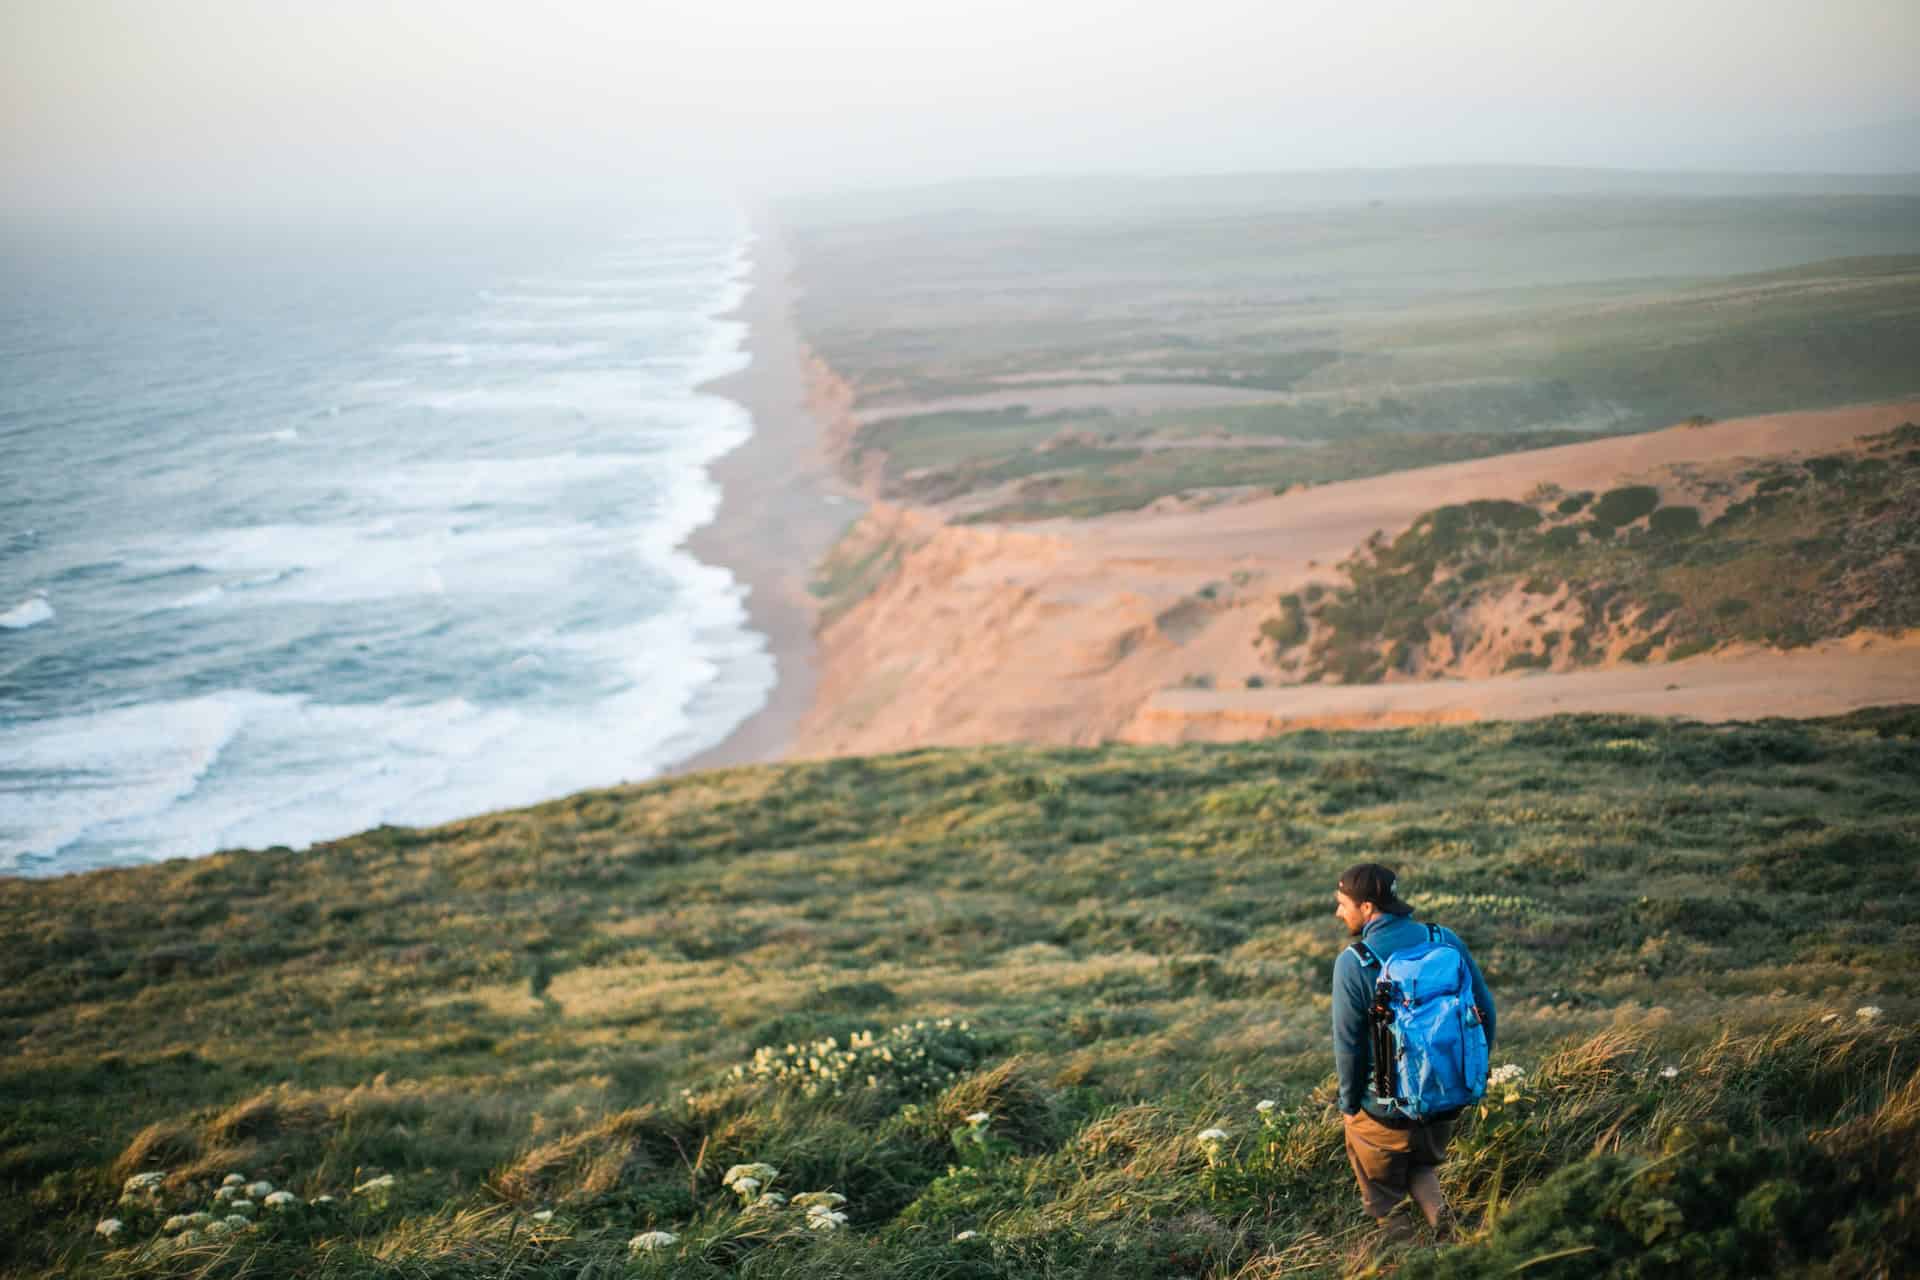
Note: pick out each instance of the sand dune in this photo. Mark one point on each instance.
(1083, 631)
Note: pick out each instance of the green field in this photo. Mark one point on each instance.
(597, 1006)
(1411, 314)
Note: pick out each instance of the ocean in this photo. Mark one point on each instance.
(305, 532)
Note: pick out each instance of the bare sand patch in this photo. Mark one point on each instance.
(1831, 678)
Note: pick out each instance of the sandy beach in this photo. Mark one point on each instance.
(780, 508)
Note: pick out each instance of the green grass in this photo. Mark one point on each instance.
(559, 1008)
(1411, 315)
(1117, 481)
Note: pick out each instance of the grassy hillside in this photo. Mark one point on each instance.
(1380, 333)
(1778, 552)
(559, 1028)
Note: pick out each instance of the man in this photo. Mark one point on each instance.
(1392, 1157)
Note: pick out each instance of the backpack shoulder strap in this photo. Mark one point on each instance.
(1364, 954)
(1433, 933)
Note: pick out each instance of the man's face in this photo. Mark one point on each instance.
(1352, 914)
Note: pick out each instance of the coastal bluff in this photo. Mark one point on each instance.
(1148, 626)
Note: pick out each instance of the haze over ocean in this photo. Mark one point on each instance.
(305, 532)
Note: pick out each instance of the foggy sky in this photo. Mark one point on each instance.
(137, 106)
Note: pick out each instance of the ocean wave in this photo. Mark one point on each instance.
(198, 600)
(462, 354)
(249, 769)
(625, 394)
(573, 642)
(30, 612)
(88, 772)
(648, 320)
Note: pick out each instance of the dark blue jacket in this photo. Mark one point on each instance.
(1353, 996)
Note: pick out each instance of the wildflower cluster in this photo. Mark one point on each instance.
(750, 1183)
(822, 1210)
(1634, 745)
(1507, 1083)
(912, 1058)
(648, 1241)
(1255, 1166)
(238, 1204)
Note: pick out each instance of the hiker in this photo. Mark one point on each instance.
(1396, 1129)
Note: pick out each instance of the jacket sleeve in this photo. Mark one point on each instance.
(1481, 995)
(1351, 1051)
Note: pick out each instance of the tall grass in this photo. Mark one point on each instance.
(542, 1025)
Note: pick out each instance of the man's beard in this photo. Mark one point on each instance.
(1353, 930)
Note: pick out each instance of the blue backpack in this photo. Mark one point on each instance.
(1429, 1046)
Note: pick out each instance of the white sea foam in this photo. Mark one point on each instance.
(199, 599)
(115, 767)
(30, 612)
(442, 486)
(393, 558)
(172, 779)
(285, 435)
(462, 354)
(647, 320)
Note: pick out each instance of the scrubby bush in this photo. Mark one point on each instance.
(1674, 522)
(1623, 506)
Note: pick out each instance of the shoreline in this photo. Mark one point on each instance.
(781, 509)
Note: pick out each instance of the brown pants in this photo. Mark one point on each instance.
(1391, 1164)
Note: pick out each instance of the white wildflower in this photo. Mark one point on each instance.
(281, 1200)
(647, 1241)
(812, 1200)
(1669, 1073)
(762, 1174)
(227, 1193)
(188, 1238)
(747, 1187)
(1868, 1012)
(149, 1181)
(239, 1207)
(382, 1183)
(965, 1235)
(1212, 1137)
(980, 1117)
(323, 1200)
(108, 1227)
(178, 1222)
(545, 1215)
(237, 1222)
(1507, 1073)
(234, 1180)
(821, 1218)
(1265, 1105)
(260, 1190)
(217, 1228)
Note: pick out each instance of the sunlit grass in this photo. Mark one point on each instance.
(556, 1011)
